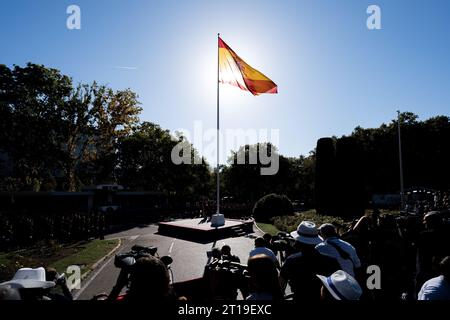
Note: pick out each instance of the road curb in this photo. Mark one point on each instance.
(257, 228)
(95, 265)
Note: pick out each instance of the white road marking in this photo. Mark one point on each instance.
(171, 247)
(76, 295)
(131, 238)
(96, 273)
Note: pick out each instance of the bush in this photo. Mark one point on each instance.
(272, 205)
(290, 223)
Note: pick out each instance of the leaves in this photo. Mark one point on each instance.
(52, 128)
(144, 163)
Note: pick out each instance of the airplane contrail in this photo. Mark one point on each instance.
(125, 68)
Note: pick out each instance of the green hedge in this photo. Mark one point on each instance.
(290, 223)
(272, 205)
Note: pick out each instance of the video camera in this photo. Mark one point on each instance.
(228, 266)
(225, 277)
(126, 260)
(283, 241)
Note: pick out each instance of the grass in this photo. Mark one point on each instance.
(51, 254)
(268, 228)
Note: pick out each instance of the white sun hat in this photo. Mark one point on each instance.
(307, 233)
(28, 278)
(342, 286)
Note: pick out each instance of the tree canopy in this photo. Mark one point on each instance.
(62, 136)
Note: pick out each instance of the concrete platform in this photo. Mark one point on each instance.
(201, 230)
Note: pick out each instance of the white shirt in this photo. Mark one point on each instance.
(264, 250)
(435, 289)
(348, 265)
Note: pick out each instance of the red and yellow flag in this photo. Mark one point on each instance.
(235, 71)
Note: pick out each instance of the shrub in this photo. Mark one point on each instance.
(272, 205)
(290, 223)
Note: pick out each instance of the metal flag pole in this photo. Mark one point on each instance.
(218, 219)
(218, 128)
(402, 191)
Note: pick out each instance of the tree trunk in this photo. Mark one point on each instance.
(71, 179)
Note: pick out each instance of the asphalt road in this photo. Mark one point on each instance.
(189, 258)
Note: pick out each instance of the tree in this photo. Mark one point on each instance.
(243, 181)
(116, 113)
(350, 199)
(425, 154)
(272, 205)
(325, 173)
(29, 101)
(144, 163)
(76, 132)
(52, 129)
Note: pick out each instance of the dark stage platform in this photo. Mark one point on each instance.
(199, 229)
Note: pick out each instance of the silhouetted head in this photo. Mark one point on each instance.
(267, 237)
(432, 220)
(264, 275)
(51, 274)
(260, 242)
(375, 216)
(216, 253)
(149, 279)
(226, 250)
(388, 223)
(327, 230)
(304, 247)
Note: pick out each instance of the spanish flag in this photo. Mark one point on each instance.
(235, 71)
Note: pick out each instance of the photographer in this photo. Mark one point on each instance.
(300, 269)
(438, 288)
(226, 254)
(30, 283)
(338, 249)
(261, 248)
(60, 283)
(264, 284)
(146, 276)
(150, 282)
(432, 247)
(224, 277)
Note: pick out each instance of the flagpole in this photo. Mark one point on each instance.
(218, 129)
(400, 158)
(218, 220)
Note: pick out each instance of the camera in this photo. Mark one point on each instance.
(225, 278)
(283, 242)
(126, 260)
(60, 279)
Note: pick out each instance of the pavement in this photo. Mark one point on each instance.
(189, 257)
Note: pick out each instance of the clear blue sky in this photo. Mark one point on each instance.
(333, 73)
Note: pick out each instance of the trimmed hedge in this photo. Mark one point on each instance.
(272, 205)
(290, 223)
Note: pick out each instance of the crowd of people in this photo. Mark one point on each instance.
(438, 201)
(412, 254)
(228, 206)
(35, 285)
(318, 263)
